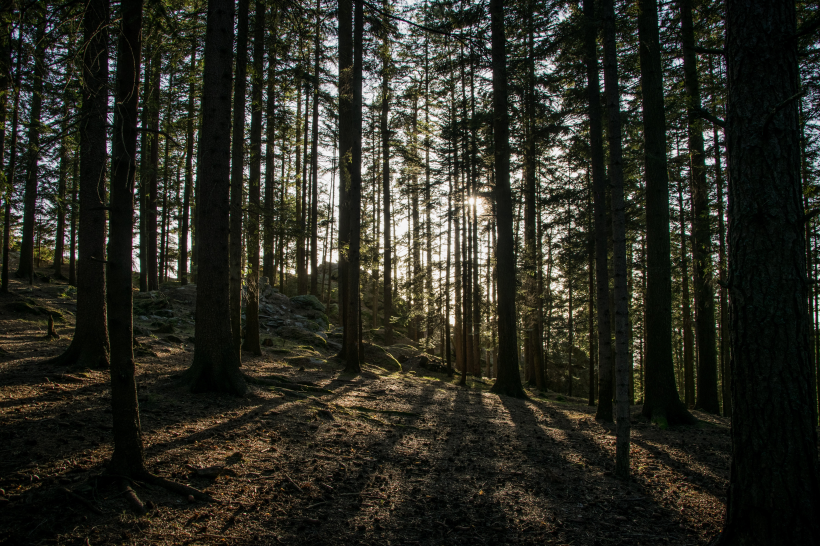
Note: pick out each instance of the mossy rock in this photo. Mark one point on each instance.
(31, 307)
(308, 301)
(378, 356)
(302, 335)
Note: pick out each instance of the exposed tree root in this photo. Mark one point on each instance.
(52, 333)
(132, 498)
(176, 487)
(75, 497)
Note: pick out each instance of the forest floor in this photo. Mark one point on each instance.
(384, 457)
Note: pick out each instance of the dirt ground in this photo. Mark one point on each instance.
(384, 457)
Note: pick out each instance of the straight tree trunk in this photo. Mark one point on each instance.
(623, 364)
(774, 482)
(346, 138)
(314, 183)
(25, 269)
(11, 173)
(509, 377)
(189, 172)
(72, 245)
(352, 321)
(385, 132)
(153, 172)
(60, 208)
(127, 458)
(599, 187)
(707, 388)
(237, 172)
(215, 367)
(143, 189)
(661, 400)
(724, 315)
(89, 348)
(268, 254)
(688, 342)
(251, 343)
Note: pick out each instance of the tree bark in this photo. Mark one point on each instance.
(127, 458)
(12, 168)
(774, 483)
(509, 377)
(72, 245)
(25, 269)
(60, 202)
(215, 367)
(345, 154)
(661, 400)
(268, 264)
(707, 390)
(189, 172)
(237, 172)
(623, 364)
(251, 342)
(89, 348)
(314, 184)
(604, 409)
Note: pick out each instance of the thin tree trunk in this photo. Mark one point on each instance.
(385, 131)
(72, 245)
(60, 208)
(268, 251)
(25, 269)
(189, 173)
(11, 173)
(153, 171)
(314, 187)
(251, 342)
(774, 483)
(346, 137)
(237, 170)
(621, 307)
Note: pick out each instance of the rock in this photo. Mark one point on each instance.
(376, 355)
(300, 334)
(165, 313)
(308, 302)
(173, 339)
(166, 328)
(140, 331)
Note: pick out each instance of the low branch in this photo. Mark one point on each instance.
(705, 114)
(155, 131)
(782, 105)
(709, 50)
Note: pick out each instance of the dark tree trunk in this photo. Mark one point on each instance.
(89, 348)
(251, 343)
(268, 265)
(604, 410)
(661, 400)
(189, 172)
(216, 360)
(509, 377)
(143, 189)
(72, 245)
(314, 184)
(723, 309)
(707, 389)
(127, 459)
(774, 483)
(153, 173)
(12, 168)
(237, 172)
(60, 209)
(688, 341)
(25, 269)
(352, 321)
(623, 364)
(345, 153)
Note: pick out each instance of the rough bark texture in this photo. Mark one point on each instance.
(189, 174)
(707, 390)
(216, 361)
(604, 409)
(661, 400)
(11, 170)
(25, 269)
(314, 182)
(251, 342)
(623, 362)
(352, 320)
(237, 173)
(345, 152)
(385, 132)
(60, 202)
(268, 264)
(127, 458)
(509, 377)
(89, 348)
(774, 483)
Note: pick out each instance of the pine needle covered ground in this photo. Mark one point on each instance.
(384, 457)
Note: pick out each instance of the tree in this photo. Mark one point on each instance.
(25, 269)
(215, 367)
(189, 173)
(509, 378)
(661, 400)
(774, 483)
(385, 133)
(90, 347)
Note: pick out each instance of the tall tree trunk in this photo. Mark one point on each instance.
(251, 343)
(215, 366)
(661, 400)
(127, 458)
(60, 209)
(143, 190)
(352, 321)
(774, 483)
(11, 173)
(707, 390)
(72, 245)
(385, 132)
(153, 171)
(591, 301)
(89, 347)
(599, 184)
(268, 254)
(688, 342)
(509, 377)
(25, 269)
(237, 173)
(189, 173)
(314, 183)
(166, 191)
(346, 137)
(623, 365)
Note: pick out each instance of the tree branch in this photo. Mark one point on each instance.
(705, 114)
(782, 105)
